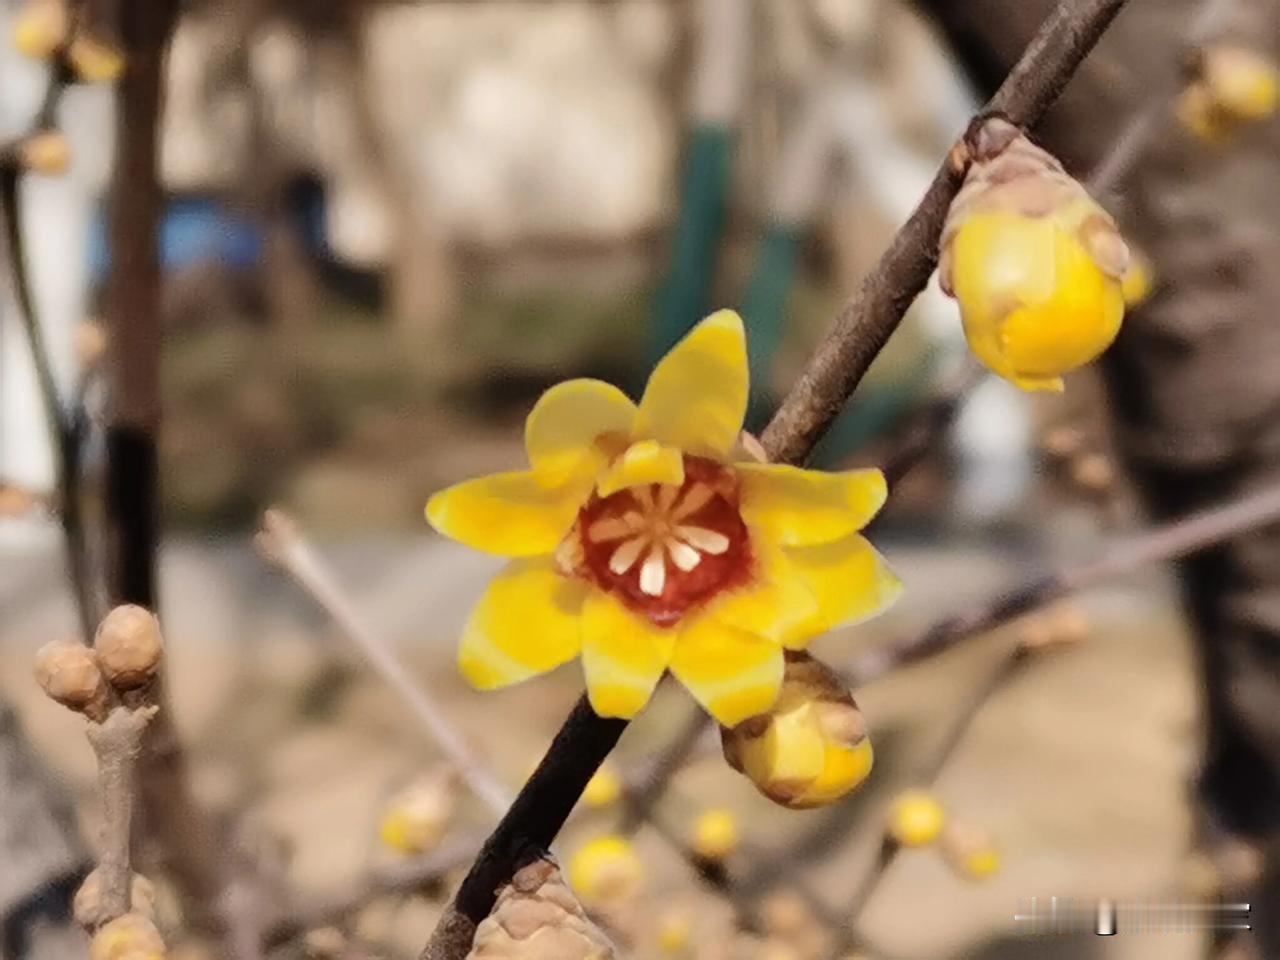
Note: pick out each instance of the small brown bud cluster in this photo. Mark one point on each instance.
(1061, 626)
(537, 917)
(1078, 459)
(125, 656)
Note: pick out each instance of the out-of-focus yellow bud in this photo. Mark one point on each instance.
(606, 870)
(716, 835)
(130, 937)
(811, 748)
(1034, 263)
(1230, 87)
(675, 932)
(603, 789)
(417, 817)
(87, 905)
(916, 818)
(40, 28)
(94, 59)
(536, 917)
(1242, 83)
(46, 153)
(971, 853)
(1139, 281)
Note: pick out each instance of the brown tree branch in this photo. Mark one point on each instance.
(1121, 556)
(861, 330)
(284, 544)
(867, 321)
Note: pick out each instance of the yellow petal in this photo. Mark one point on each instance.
(645, 462)
(623, 656)
(526, 623)
(564, 425)
(793, 506)
(696, 398)
(775, 605)
(732, 673)
(508, 514)
(849, 580)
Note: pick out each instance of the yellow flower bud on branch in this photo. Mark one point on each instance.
(1034, 263)
(606, 870)
(916, 818)
(129, 937)
(811, 748)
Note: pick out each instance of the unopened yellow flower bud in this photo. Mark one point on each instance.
(417, 818)
(971, 853)
(916, 818)
(1093, 473)
(46, 153)
(1034, 263)
(603, 789)
(675, 932)
(129, 646)
(716, 835)
(811, 748)
(130, 937)
(87, 905)
(95, 59)
(1230, 87)
(68, 672)
(606, 870)
(1139, 281)
(39, 28)
(536, 917)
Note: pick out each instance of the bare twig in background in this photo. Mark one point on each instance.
(920, 435)
(1009, 667)
(832, 374)
(282, 542)
(644, 792)
(1122, 556)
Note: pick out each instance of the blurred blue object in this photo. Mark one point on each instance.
(201, 229)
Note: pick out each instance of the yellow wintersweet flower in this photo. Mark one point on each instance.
(1034, 263)
(916, 818)
(606, 870)
(716, 835)
(639, 541)
(1230, 88)
(603, 789)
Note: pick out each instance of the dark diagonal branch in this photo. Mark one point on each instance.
(858, 334)
(866, 322)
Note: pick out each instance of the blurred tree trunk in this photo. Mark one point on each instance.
(42, 858)
(1194, 379)
(187, 845)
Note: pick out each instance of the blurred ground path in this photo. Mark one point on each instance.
(1079, 767)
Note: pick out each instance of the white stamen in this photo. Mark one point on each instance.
(614, 528)
(653, 573)
(624, 558)
(683, 555)
(667, 494)
(708, 541)
(699, 496)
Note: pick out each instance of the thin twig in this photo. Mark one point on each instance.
(639, 799)
(66, 428)
(1010, 666)
(1122, 556)
(835, 370)
(281, 541)
(117, 742)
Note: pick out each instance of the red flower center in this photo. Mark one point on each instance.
(663, 549)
